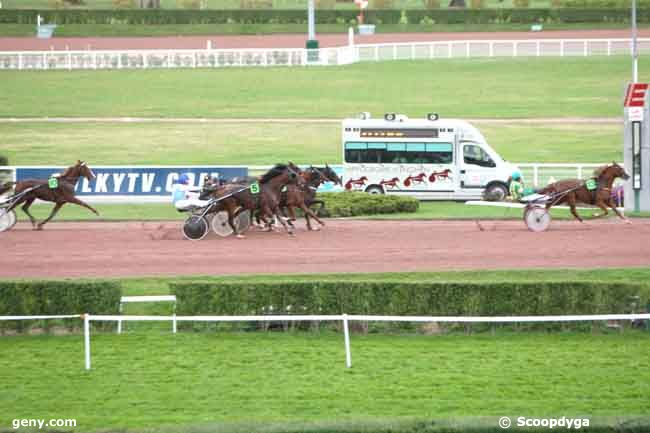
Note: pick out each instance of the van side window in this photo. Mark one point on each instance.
(398, 153)
(475, 155)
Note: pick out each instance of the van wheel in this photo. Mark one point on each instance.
(495, 192)
(374, 189)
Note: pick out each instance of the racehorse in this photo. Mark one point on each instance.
(420, 178)
(60, 194)
(572, 191)
(392, 183)
(444, 174)
(262, 196)
(304, 197)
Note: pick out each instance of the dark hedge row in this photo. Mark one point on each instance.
(346, 204)
(275, 16)
(55, 298)
(406, 299)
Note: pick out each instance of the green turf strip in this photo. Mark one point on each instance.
(153, 379)
(501, 87)
(259, 143)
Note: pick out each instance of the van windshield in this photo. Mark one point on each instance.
(476, 155)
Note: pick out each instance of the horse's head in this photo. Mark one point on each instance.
(611, 171)
(85, 171)
(619, 171)
(331, 175)
(296, 175)
(78, 170)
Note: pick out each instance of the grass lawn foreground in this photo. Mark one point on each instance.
(153, 379)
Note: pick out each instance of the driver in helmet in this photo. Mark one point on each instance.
(516, 186)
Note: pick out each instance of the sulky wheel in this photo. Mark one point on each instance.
(7, 220)
(195, 228)
(537, 218)
(220, 224)
(243, 221)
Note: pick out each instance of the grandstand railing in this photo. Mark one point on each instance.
(221, 58)
(343, 318)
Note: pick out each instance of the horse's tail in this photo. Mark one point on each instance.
(6, 187)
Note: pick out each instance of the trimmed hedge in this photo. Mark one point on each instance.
(347, 204)
(19, 298)
(277, 16)
(407, 299)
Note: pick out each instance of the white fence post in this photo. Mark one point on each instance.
(562, 48)
(535, 175)
(87, 339)
(346, 334)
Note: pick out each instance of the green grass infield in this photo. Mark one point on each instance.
(474, 88)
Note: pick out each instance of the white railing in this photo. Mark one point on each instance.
(220, 58)
(498, 48)
(343, 318)
(538, 175)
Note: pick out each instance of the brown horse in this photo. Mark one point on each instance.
(572, 191)
(304, 197)
(239, 197)
(61, 194)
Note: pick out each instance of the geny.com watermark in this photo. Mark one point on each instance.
(43, 423)
(550, 423)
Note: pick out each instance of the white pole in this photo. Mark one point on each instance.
(350, 36)
(87, 339)
(346, 334)
(174, 320)
(311, 27)
(119, 322)
(635, 54)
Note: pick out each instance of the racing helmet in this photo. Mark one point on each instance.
(184, 179)
(516, 176)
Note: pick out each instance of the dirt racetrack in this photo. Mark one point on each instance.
(286, 40)
(155, 249)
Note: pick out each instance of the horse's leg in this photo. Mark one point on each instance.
(75, 200)
(601, 204)
(276, 211)
(26, 204)
(55, 210)
(612, 204)
(309, 212)
(233, 212)
(571, 201)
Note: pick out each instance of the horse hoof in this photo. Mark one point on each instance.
(627, 221)
(240, 236)
(38, 227)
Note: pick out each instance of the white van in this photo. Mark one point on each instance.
(430, 158)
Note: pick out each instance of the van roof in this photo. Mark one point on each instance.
(407, 123)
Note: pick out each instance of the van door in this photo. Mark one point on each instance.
(476, 166)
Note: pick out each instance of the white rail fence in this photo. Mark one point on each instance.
(220, 58)
(343, 318)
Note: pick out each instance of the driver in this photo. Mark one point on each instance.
(516, 186)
